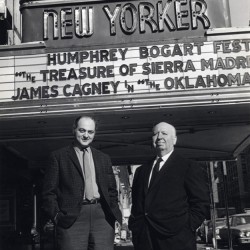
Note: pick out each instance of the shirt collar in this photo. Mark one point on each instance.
(78, 149)
(165, 157)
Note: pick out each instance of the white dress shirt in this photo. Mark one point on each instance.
(164, 159)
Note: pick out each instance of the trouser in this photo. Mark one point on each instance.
(184, 240)
(91, 231)
(148, 239)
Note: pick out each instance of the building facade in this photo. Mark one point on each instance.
(130, 64)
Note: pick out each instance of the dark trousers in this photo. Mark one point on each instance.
(91, 231)
(148, 239)
(183, 240)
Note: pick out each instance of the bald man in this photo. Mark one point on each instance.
(170, 197)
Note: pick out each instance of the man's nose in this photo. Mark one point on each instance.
(85, 134)
(159, 135)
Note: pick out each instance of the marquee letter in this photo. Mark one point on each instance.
(147, 17)
(46, 15)
(129, 7)
(112, 17)
(180, 14)
(84, 22)
(65, 23)
(195, 14)
(164, 17)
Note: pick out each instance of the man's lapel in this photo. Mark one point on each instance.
(99, 172)
(72, 155)
(163, 172)
(146, 175)
(97, 163)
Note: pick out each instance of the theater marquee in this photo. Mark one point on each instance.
(204, 68)
(123, 55)
(89, 23)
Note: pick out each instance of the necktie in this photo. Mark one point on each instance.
(89, 193)
(156, 170)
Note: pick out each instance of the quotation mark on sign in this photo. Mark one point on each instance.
(27, 76)
(151, 84)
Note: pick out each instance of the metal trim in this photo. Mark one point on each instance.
(29, 45)
(30, 4)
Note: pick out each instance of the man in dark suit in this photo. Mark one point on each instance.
(80, 194)
(170, 197)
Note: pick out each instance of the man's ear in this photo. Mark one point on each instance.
(174, 140)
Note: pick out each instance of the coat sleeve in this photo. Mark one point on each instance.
(112, 191)
(133, 218)
(50, 184)
(134, 189)
(196, 184)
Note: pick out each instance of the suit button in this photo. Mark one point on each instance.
(146, 214)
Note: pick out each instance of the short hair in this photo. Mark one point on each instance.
(75, 123)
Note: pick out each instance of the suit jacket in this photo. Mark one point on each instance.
(178, 197)
(63, 188)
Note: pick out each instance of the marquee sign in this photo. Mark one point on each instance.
(89, 23)
(217, 70)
